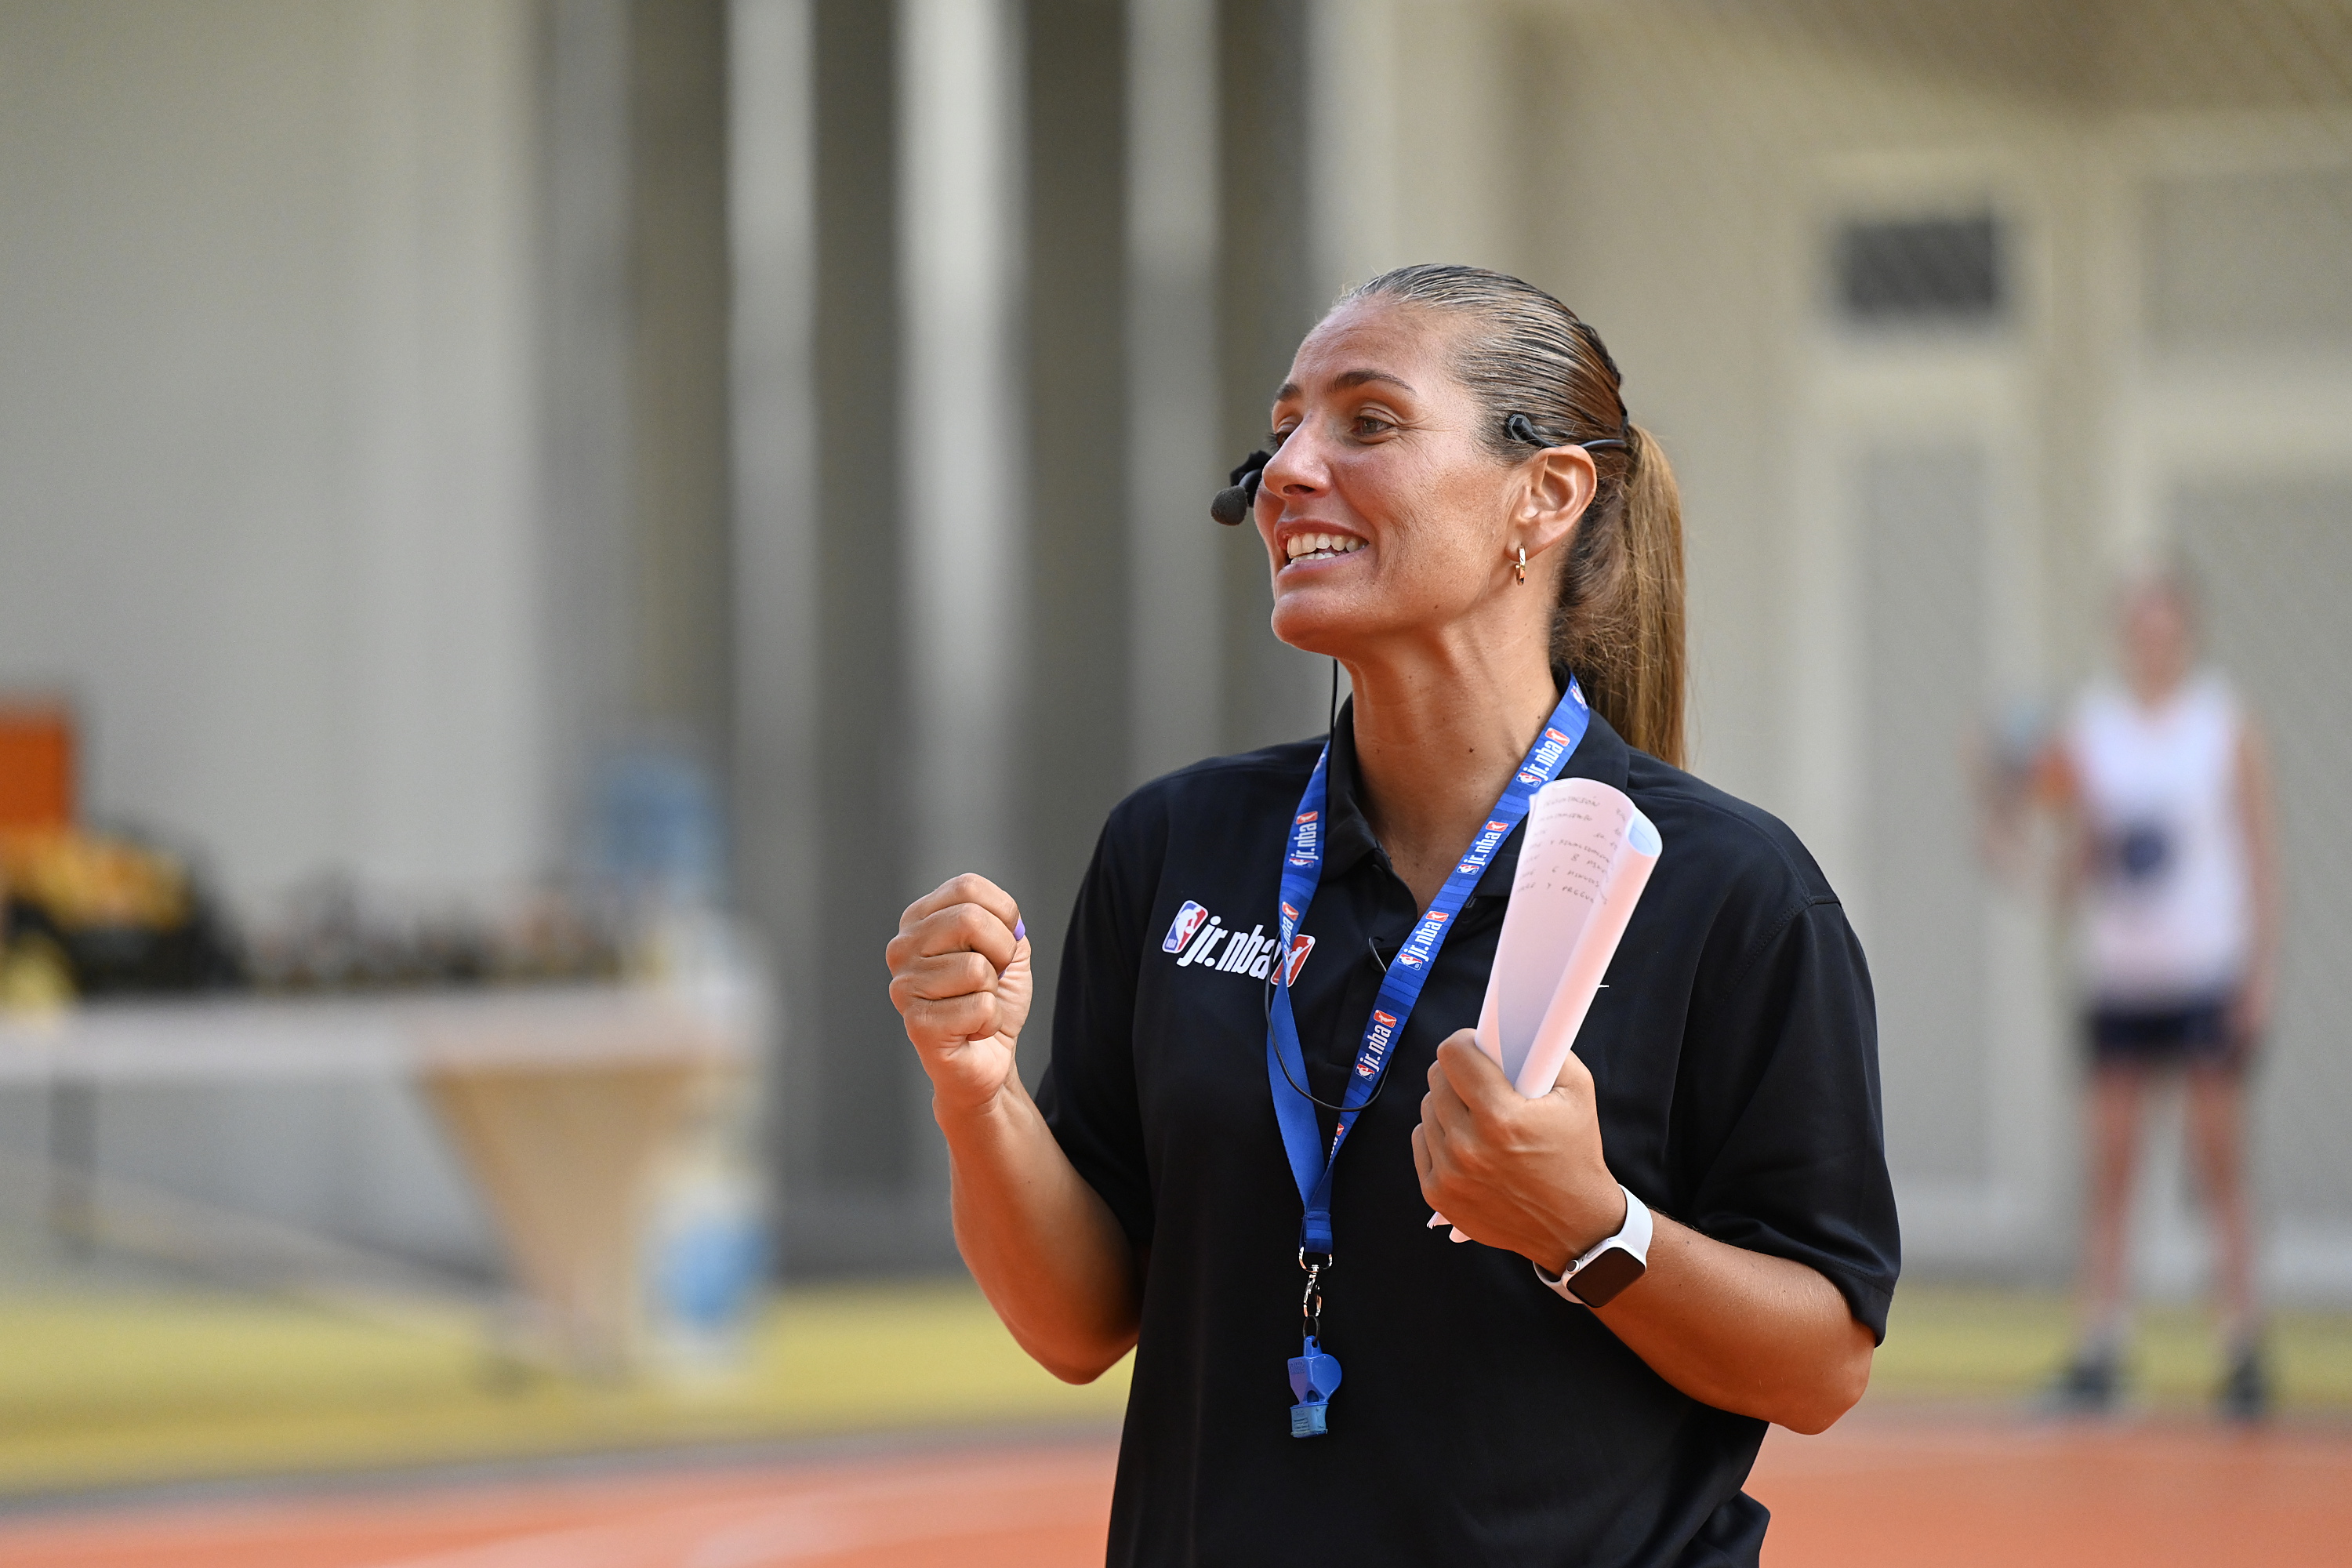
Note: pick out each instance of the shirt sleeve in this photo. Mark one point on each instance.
(1794, 1161)
(1088, 1092)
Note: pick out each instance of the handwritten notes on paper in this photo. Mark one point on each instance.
(1586, 856)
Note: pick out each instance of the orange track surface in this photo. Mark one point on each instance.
(1878, 1491)
(1023, 1507)
(1940, 1495)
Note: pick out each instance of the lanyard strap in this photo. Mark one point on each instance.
(1302, 871)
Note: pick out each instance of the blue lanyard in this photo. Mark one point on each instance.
(1302, 871)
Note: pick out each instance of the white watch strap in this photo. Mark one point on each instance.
(1632, 1237)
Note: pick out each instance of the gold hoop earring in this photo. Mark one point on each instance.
(1521, 568)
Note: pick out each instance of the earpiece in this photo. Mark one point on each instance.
(1519, 427)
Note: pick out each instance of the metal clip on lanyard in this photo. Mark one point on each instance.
(1313, 1373)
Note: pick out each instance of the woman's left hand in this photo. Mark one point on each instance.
(1524, 1174)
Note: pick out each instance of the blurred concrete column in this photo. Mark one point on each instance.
(851, 1067)
(588, 318)
(636, 267)
(966, 608)
(1267, 301)
(995, 602)
(438, 641)
(1356, 157)
(1175, 714)
(776, 767)
(960, 430)
(1077, 724)
(679, 275)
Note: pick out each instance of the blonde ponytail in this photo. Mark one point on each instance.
(1619, 627)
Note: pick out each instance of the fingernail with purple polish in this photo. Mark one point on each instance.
(1020, 928)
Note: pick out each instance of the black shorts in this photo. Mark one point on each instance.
(2194, 1033)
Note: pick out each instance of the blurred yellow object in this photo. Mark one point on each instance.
(35, 976)
(116, 1388)
(82, 880)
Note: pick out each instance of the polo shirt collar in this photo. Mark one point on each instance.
(1601, 755)
(1349, 837)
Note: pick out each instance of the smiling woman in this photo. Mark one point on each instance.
(1456, 507)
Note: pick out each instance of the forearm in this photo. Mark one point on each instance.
(1743, 1332)
(1045, 1247)
(1735, 1329)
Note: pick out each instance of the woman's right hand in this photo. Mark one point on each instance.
(960, 978)
(1040, 1240)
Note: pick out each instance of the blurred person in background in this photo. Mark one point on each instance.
(2160, 786)
(1457, 508)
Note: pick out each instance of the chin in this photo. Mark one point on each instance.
(1320, 623)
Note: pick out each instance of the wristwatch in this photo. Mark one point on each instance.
(1595, 1278)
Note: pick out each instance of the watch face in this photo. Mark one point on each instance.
(1597, 1283)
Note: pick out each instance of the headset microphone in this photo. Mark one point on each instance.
(1231, 505)
(1234, 502)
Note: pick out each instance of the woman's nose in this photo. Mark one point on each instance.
(1295, 468)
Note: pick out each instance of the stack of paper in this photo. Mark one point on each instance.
(1586, 856)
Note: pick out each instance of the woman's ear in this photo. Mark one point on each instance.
(1561, 481)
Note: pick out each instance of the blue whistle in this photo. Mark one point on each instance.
(1313, 1377)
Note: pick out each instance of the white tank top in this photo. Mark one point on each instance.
(2167, 905)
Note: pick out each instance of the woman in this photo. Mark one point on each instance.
(2161, 782)
(1458, 509)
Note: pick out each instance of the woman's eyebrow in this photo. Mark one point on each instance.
(1341, 382)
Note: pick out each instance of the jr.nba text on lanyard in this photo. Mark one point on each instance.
(1313, 1375)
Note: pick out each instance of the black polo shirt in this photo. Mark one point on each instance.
(1483, 1419)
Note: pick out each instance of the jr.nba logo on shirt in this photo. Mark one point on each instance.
(1202, 940)
(1188, 920)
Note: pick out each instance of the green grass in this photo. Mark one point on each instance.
(122, 1385)
(1945, 1342)
(114, 1389)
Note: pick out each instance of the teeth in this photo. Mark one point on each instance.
(1305, 546)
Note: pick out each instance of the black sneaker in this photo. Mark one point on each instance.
(2245, 1393)
(2087, 1387)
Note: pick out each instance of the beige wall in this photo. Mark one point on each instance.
(267, 446)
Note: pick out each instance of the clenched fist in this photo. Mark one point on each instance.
(960, 978)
